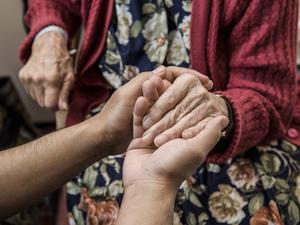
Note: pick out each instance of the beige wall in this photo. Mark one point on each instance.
(11, 34)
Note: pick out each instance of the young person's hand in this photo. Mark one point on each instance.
(175, 160)
(115, 119)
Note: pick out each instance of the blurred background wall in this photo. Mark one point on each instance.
(12, 32)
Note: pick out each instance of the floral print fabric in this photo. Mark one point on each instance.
(145, 34)
(259, 187)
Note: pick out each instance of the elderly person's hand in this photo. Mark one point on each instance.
(48, 75)
(183, 110)
(175, 160)
(116, 115)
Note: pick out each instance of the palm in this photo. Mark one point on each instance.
(151, 164)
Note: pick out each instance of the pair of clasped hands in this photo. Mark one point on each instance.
(176, 122)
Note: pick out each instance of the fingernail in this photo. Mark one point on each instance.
(160, 140)
(146, 136)
(159, 69)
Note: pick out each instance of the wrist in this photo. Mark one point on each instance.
(50, 42)
(153, 185)
(229, 113)
(51, 28)
(151, 190)
(93, 136)
(147, 203)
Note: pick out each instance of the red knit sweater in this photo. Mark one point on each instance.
(247, 48)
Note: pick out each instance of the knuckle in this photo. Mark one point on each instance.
(156, 110)
(203, 92)
(21, 74)
(192, 121)
(175, 133)
(209, 105)
(186, 77)
(70, 79)
(180, 111)
(52, 79)
(157, 129)
(37, 79)
(171, 100)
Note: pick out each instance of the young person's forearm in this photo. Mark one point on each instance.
(148, 205)
(29, 172)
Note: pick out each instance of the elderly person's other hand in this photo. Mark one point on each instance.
(117, 112)
(175, 160)
(185, 109)
(48, 75)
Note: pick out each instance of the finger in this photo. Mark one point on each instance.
(150, 91)
(24, 80)
(190, 120)
(182, 97)
(208, 137)
(166, 102)
(173, 72)
(40, 93)
(145, 142)
(31, 91)
(27, 83)
(140, 109)
(195, 130)
(51, 95)
(159, 70)
(209, 85)
(159, 84)
(167, 84)
(133, 89)
(65, 91)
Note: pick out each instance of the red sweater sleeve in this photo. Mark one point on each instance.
(42, 13)
(261, 85)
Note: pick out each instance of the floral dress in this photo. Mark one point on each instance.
(259, 187)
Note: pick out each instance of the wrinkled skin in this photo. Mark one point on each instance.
(48, 75)
(175, 160)
(183, 110)
(119, 120)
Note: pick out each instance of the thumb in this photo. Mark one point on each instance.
(65, 91)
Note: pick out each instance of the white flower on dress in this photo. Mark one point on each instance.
(116, 188)
(124, 20)
(177, 53)
(113, 79)
(185, 28)
(155, 32)
(187, 5)
(242, 174)
(176, 219)
(169, 3)
(112, 55)
(130, 72)
(297, 189)
(226, 205)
